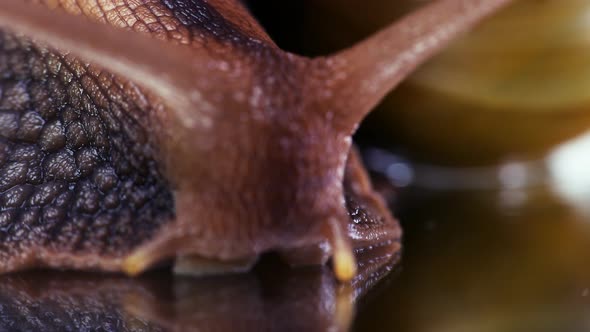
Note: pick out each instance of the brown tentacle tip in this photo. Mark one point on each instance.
(98, 169)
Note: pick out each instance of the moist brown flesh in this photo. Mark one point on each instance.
(191, 134)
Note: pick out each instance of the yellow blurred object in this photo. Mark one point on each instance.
(513, 88)
(534, 57)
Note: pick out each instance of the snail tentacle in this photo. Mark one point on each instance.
(363, 74)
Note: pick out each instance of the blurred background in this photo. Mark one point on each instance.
(484, 154)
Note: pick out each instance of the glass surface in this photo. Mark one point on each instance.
(475, 262)
(507, 250)
(499, 248)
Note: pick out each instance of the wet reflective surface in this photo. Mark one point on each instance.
(306, 300)
(471, 263)
(510, 255)
(503, 258)
(272, 297)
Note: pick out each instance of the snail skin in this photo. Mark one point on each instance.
(135, 133)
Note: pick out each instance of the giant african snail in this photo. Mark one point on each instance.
(199, 141)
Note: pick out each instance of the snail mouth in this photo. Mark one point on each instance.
(361, 246)
(358, 241)
(343, 260)
(373, 234)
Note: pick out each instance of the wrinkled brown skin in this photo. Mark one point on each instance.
(242, 148)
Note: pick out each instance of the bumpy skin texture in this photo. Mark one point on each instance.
(202, 139)
(78, 173)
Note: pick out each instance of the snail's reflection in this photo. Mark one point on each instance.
(272, 298)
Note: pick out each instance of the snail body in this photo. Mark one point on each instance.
(186, 134)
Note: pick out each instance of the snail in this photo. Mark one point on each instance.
(134, 133)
